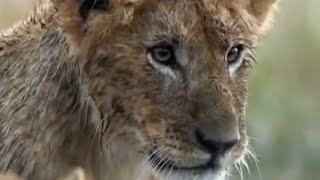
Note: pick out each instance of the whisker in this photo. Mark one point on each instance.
(245, 164)
(239, 169)
(253, 157)
(170, 171)
(147, 167)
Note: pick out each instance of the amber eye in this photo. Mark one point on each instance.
(163, 54)
(234, 54)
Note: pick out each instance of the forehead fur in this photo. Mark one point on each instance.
(254, 8)
(189, 20)
(228, 17)
(225, 15)
(222, 11)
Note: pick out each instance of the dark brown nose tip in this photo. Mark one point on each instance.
(211, 145)
(214, 139)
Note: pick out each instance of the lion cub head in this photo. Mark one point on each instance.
(173, 72)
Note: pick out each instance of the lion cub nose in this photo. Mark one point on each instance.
(216, 139)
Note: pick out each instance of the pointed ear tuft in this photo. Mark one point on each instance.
(261, 9)
(72, 16)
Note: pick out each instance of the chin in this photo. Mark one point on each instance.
(192, 175)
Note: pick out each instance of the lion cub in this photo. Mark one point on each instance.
(128, 89)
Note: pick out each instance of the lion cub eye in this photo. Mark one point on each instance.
(163, 55)
(234, 54)
(234, 58)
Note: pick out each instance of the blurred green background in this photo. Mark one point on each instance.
(284, 105)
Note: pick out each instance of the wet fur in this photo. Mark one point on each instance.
(58, 112)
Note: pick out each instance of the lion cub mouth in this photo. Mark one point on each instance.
(166, 169)
(162, 163)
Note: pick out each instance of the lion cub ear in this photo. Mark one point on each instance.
(80, 8)
(87, 6)
(263, 11)
(262, 8)
(73, 16)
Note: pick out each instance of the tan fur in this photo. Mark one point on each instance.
(79, 94)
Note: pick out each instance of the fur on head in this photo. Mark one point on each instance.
(166, 82)
(166, 105)
(75, 13)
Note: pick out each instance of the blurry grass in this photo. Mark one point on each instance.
(284, 105)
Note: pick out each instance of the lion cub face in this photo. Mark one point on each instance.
(179, 71)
